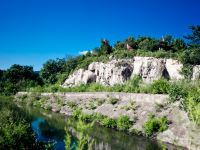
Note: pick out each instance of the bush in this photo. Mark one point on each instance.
(95, 87)
(154, 125)
(176, 92)
(187, 71)
(124, 123)
(15, 130)
(71, 104)
(160, 86)
(86, 117)
(113, 101)
(109, 122)
(76, 113)
(193, 108)
(132, 85)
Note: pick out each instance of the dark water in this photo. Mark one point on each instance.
(50, 127)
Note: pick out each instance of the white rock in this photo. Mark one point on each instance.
(148, 68)
(119, 71)
(80, 76)
(174, 68)
(196, 72)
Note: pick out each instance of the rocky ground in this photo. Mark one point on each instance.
(138, 107)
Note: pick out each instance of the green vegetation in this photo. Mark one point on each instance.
(18, 78)
(131, 106)
(16, 132)
(154, 125)
(124, 123)
(185, 92)
(160, 86)
(84, 141)
(113, 101)
(109, 122)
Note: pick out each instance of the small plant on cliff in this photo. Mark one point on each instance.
(71, 104)
(113, 101)
(154, 125)
(131, 106)
(124, 123)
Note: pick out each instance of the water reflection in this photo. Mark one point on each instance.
(55, 128)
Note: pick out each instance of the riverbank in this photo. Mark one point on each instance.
(179, 129)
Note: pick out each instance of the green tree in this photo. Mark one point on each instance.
(166, 43)
(179, 45)
(105, 47)
(148, 44)
(194, 37)
(131, 42)
(51, 69)
(17, 73)
(119, 45)
(18, 78)
(192, 54)
(1, 75)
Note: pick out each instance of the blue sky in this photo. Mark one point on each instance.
(33, 31)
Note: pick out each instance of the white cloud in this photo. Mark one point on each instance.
(83, 52)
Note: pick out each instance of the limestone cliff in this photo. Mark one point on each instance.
(119, 71)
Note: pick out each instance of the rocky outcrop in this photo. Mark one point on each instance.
(119, 71)
(114, 72)
(80, 77)
(148, 68)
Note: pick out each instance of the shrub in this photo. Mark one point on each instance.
(131, 106)
(193, 108)
(124, 123)
(113, 101)
(133, 84)
(109, 122)
(160, 86)
(86, 117)
(99, 117)
(71, 104)
(95, 87)
(92, 105)
(154, 125)
(187, 71)
(76, 113)
(176, 92)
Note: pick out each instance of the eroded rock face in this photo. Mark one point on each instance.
(196, 72)
(80, 76)
(119, 71)
(148, 68)
(173, 68)
(113, 72)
